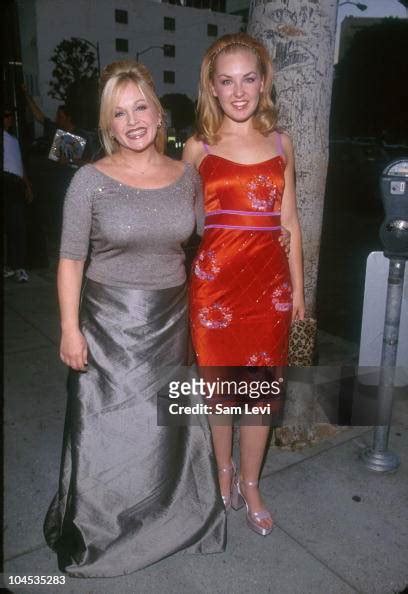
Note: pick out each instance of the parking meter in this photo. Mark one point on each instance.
(394, 194)
(394, 237)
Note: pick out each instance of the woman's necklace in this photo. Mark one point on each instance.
(124, 164)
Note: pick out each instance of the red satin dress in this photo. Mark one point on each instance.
(240, 291)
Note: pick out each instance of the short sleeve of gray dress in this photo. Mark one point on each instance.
(199, 203)
(77, 216)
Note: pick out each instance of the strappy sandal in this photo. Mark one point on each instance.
(253, 518)
(233, 471)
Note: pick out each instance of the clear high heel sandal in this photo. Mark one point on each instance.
(253, 518)
(233, 471)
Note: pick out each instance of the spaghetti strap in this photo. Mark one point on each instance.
(279, 143)
(206, 148)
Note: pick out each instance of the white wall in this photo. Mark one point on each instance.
(28, 35)
(94, 20)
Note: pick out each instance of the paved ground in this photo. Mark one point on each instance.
(339, 528)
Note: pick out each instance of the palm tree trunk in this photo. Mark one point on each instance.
(300, 36)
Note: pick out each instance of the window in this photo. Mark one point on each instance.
(121, 16)
(169, 50)
(169, 76)
(169, 24)
(215, 5)
(212, 30)
(122, 45)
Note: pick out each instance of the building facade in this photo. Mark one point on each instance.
(350, 26)
(169, 38)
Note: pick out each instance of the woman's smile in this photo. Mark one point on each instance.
(136, 133)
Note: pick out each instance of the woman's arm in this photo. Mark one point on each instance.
(75, 240)
(73, 347)
(193, 152)
(290, 220)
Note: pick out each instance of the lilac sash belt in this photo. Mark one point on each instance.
(241, 219)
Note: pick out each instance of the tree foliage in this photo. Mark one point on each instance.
(74, 61)
(371, 94)
(181, 108)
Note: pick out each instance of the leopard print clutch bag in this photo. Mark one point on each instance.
(302, 340)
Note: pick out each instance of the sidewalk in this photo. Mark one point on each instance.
(339, 528)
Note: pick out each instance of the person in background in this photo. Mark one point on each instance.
(57, 175)
(17, 192)
(64, 120)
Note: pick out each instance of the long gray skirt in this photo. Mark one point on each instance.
(131, 492)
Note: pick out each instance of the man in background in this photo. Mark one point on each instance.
(56, 175)
(17, 192)
(64, 120)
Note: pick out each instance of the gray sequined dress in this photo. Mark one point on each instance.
(130, 492)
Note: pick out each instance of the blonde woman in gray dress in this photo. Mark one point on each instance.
(130, 492)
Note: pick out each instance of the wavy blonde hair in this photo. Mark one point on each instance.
(210, 114)
(114, 77)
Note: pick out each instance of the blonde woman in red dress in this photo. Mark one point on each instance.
(244, 290)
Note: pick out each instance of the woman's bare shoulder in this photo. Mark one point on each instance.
(283, 143)
(282, 134)
(194, 151)
(193, 143)
(287, 146)
(286, 140)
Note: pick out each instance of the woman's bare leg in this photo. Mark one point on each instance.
(222, 441)
(253, 440)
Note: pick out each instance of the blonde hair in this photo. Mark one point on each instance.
(114, 77)
(210, 114)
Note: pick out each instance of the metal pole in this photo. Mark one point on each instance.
(148, 49)
(358, 5)
(378, 457)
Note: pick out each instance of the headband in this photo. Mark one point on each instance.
(233, 44)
